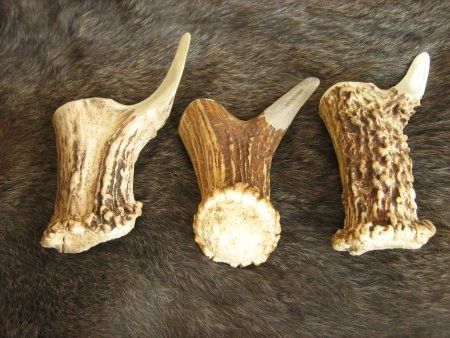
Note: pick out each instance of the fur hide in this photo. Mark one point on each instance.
(244, 54)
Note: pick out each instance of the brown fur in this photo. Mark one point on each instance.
(244, 54)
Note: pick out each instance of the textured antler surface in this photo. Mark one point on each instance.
(98, 142)
(366, 125)
(235, 222)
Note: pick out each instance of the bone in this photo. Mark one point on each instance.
(236, 222)
(415, 80)
(98, 143)
(366, 126)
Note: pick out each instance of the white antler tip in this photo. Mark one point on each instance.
(185, 40)
(281, 113)
(314, 82)
(186, 36)
(415, 80)
(166, 91)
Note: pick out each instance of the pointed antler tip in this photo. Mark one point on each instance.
(163, 96)
(186, 37)
(281, 113)
(415, 80)
(313, 81)
(424, 56)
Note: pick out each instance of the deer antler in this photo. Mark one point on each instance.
(98, 142)
(235, 222)
(366, 126)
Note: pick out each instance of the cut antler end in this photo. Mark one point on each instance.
(76, 240)
(237, 227)
(80, 234)
(367, 237)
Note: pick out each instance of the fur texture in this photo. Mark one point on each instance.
(244, 54)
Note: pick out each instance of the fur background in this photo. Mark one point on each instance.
(244, 54)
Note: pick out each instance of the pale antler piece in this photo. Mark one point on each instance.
(98, 142)
(235, 222)
(366, 125)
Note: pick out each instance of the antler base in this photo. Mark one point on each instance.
(367, 237)
(74, 236)
(236, 226)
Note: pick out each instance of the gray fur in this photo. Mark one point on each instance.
(244, 54)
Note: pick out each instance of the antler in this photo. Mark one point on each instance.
(235, 222)
(366, 126)
(98, 142)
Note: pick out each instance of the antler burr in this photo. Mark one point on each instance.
(98, 142)
(235, 222)
(366, 125)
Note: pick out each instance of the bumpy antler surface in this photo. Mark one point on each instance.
(98, 142)
(235, 222)
(366, 126)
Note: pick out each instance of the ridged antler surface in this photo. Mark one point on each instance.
(98, 142)
(366, 125)
(235, 222)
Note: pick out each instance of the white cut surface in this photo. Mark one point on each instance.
(367, 237)
(237, 227)
(72, 241)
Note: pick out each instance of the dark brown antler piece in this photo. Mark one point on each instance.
(235, 222)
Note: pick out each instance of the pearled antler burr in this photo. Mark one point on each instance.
(98, 142)
(235, 222)
(366, 125)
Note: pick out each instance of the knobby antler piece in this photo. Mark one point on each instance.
(98, 142)
(235, 222)
(366, 125)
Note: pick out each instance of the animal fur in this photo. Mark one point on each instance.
(244, 54)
